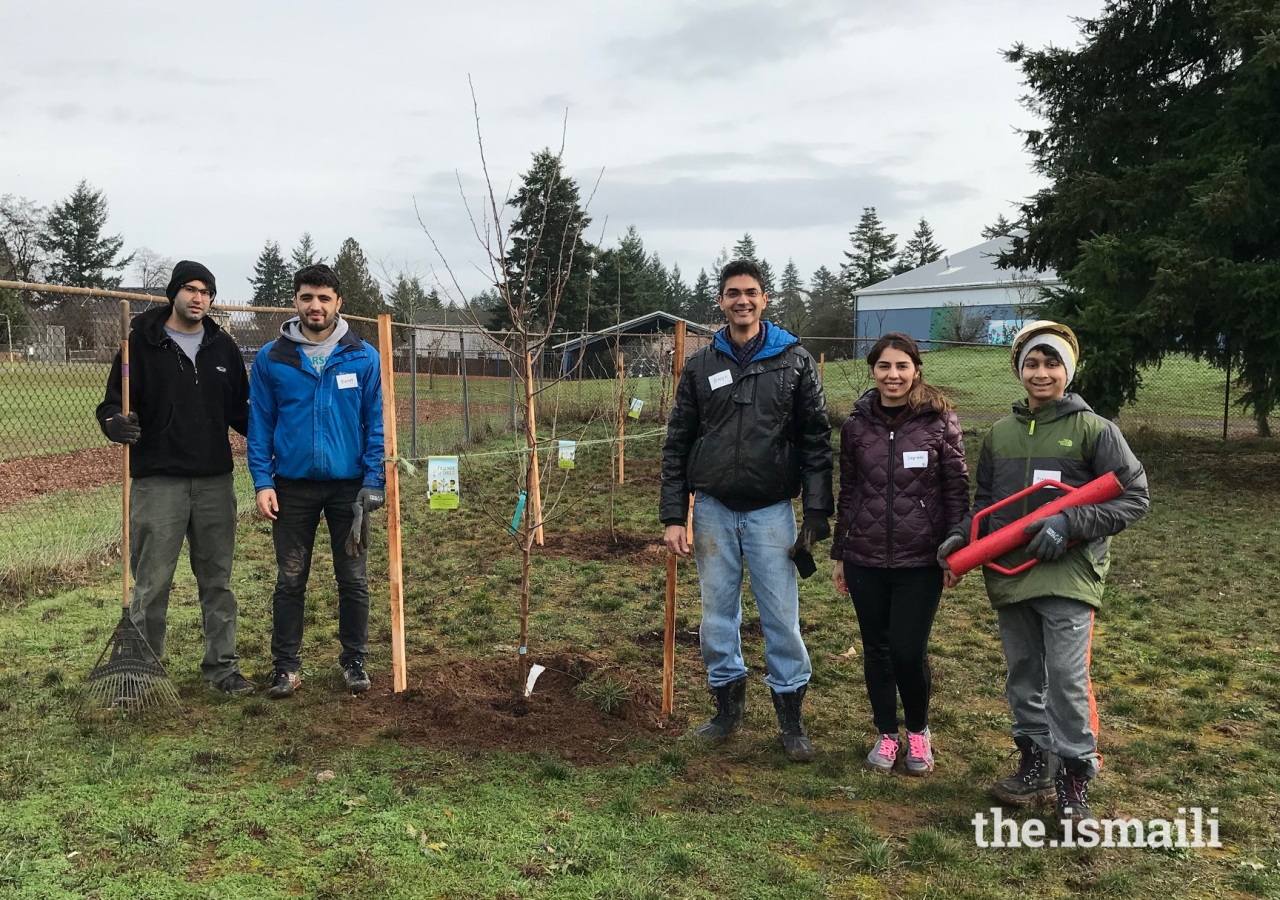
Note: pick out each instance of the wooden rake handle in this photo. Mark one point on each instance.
(124, 393)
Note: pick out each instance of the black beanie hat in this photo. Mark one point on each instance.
(186, 271)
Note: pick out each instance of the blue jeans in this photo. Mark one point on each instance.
(722, 539)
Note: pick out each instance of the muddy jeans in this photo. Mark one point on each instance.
(294, 535)
(165, 509)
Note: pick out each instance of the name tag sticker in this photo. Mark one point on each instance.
(346, 380)
(916, 459)
(720, 379)
(1040, 475)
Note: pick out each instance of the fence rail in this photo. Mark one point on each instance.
(456, 389)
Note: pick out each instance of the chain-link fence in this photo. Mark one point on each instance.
(456, 391)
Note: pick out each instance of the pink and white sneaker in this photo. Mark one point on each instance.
(919, 753)
(885, 753)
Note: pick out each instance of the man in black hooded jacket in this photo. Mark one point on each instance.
(187, 386)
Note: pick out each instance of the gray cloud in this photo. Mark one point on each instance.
(117, 69)
(66, 112)
(724, 41)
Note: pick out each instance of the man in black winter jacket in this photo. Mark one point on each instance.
(748, 433)
(187, 385)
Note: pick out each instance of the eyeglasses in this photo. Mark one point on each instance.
(749, 293)
(205, 293)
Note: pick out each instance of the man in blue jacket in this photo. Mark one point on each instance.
(315, 446)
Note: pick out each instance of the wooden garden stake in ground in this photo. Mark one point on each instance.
(822, 367)
(395, 563)
(622, 418)
(535, 469)
(669, 626)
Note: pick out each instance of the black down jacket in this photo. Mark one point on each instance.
(759, 436)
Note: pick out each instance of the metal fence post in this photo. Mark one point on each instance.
(466, 406)
(413, 392)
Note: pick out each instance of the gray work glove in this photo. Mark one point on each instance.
(949, 546)
(368, 500)
(124, 429)
(1051, 538)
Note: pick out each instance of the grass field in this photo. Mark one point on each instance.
(329, 796)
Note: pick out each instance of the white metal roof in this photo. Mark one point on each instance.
(965, 270)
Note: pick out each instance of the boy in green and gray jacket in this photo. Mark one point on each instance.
(1046, 613)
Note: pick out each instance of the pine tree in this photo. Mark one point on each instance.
(360, 293)
(871, 257)
(629, 283)
(745, 248)
(1159, 134)
(547, 245)
(79, 254)
(831, 315)
(304, 254)
(272, 281)
(1001, 227)
(679, 296)
(767, 283)
(407, 298)
(921, 250)
(702, 306)
(790, 308)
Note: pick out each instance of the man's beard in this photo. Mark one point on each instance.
(314, 329)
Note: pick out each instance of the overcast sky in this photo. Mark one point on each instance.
(215, 126)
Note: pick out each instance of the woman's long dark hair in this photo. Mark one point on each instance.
(921, 391)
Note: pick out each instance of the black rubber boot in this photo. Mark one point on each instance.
(795, 741)
(731, 705)
(1031, 783)
(1071, 784)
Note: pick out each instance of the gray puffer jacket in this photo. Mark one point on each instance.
(902, 486)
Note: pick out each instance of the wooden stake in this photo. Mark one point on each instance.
(622, 418)
(535, 470)
(395, 573)
(822, 368)
(669, 621)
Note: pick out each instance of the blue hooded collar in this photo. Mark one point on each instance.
(776, 339)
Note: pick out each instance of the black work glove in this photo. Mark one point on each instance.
(815, 528)
(368, 500)
(124, 429)
(949, 546)
(1051, 538)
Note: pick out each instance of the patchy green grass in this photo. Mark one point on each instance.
(261, 799)
(48, 407)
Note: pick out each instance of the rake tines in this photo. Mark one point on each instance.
(131, 679)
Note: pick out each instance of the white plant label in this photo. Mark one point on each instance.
(534, 671)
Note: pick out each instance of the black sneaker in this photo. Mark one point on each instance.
(354, 675)
(1072, 787)
(283, 684)
(1029, 785)
(234, 684)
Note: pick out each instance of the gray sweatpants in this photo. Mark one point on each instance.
(1047, 643)
(164, 510)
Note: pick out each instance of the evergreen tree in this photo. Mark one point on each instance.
(79, 254)
(745, 248)
(1159, 135)
(272, 281)
(21, 257)
(407, 298)
(679, 296)
(547, 247)
(831, 314)
(871, 257)
(767, 282)
(790, 308)
(702, 307)
(304, 254)
(1001, 227)
(921, 250)
(629, 283)
(361, 295)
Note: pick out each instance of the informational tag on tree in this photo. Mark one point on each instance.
(442, 481)
(568, 452)
(636, 405)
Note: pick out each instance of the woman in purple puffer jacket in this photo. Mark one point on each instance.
(904, 484)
